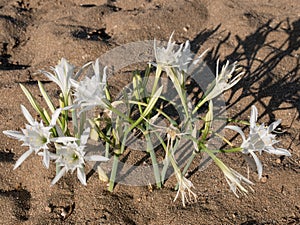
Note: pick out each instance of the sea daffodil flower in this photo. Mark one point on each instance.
(224, 80)
(36, 136)
(62, 75)
(90, 92)
(184, 188)
(235, 180)
(172, 56)
(71, 156)
(260, 139)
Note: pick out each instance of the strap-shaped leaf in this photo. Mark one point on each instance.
(149, 107)
(33, 102)
(208, 120)
(152, 101)
(135, 82)
(48, 118)
(96, 132)
(46, 97)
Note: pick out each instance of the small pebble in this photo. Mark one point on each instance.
(278, 161)
(64, 213)
(263, 179)
(48, 209)
(282, 190)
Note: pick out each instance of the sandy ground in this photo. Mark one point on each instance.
(264, 36)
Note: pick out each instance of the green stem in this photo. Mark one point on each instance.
(107, 144)
(181, 92)
(229, 120)
(157, 76)
(199, 105)
(113, 173)
(120, 114)
(74, 121)
(154, 161)
(237, 149)
(124, 141)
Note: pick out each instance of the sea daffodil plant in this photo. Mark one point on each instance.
(114, 121)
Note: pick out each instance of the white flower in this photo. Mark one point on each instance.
(175, 61)
(184, 185)
(90, 92)
(260, 139)
(234, 179)
(223, 80)
(62, 75)
(172, 56)
(71, 156)
(35, 135)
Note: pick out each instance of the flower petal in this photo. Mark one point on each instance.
(253, 116)
(85, 136)
(273, 125)
(64, 139)
(258, 164)
(22, 158)
(95, 158)
(96, 68)
(278, 151)
(104, 79)
(58, 176)
(27, 115)
(81, 175)
(238, 130)
(50, 76)
(14, 134)
(55, 117)
(46, 158)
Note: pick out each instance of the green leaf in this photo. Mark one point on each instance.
(48, 118)
(33, 102)
(147, 110)
(153, 101)
(208, 120)
(46, 97)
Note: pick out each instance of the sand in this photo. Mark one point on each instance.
(263, 36)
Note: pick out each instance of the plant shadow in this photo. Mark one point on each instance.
(277, 84)
(266, 82)
(5, 63)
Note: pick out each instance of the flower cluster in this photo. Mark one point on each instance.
(70, 151)
(63, 134)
